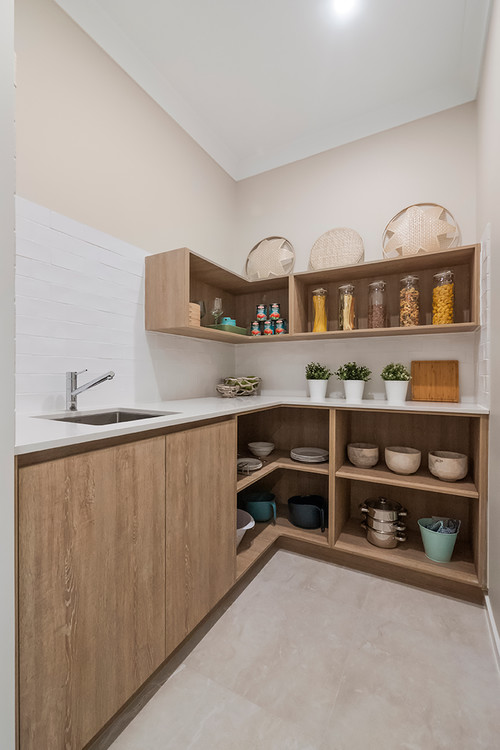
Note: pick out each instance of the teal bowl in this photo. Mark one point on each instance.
(260, 505)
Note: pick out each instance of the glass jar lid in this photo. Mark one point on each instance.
(410, 279)
(377, 285)
(320, 292)
(346, 288)
(444, 276)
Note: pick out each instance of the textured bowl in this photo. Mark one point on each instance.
(227, 391)
(402, 460)
(244, 522)
(261, 450)
(362, 455)
(247, 385)
(448, 466)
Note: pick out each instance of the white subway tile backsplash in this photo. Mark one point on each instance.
(80, 305)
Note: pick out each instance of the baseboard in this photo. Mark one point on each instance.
(495, 635)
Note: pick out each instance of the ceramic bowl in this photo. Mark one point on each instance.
(448, 466)
(362, 455)
(402, 460)
(244, 523)
(261, 450)
(227, 391)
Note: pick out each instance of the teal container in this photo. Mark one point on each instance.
(260, 505)
(438, 547)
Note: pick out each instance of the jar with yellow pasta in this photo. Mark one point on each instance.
(319, 305)
(443, 298)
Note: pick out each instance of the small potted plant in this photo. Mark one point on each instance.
(354, 377)
(317, 377)
(396, 378)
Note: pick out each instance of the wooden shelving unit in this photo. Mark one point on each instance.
(177, 277)
(347, 486)
(422, 480)
(280, 460)
(409, 555)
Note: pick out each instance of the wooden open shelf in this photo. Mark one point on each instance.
(421, 480)
(409, 554)
(280, 460)
(176, 278)
(259, 539)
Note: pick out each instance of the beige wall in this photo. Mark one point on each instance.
(489, 213)
(7, 186)
(364, 184)
(93, 146)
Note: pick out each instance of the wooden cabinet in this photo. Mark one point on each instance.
(178, 277)
(200, 523)
(91, 588)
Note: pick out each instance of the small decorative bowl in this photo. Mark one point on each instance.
(362, 455)
(402, 460)
(448, 466)
(247, 385)
(261, 450)
(227, 391)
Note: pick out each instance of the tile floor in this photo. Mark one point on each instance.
(312, 656)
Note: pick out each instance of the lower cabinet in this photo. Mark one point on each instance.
(91, 588)
(200, 524)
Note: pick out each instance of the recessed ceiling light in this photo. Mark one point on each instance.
(345, 8)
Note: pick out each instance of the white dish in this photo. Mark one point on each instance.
(448, 466)
(362, 455)
(261, 449)
(247, 465)
(309, 455)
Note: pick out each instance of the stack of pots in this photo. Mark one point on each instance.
(381, 519)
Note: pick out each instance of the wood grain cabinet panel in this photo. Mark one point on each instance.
(91, 588)
(201, 524)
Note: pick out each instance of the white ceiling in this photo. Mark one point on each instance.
(262, 83)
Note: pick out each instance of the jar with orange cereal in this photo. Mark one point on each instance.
(443, 298)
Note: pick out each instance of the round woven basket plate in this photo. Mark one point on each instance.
(338, 247)
(421, 228)
(273, 256)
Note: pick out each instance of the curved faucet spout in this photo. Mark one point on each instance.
(72, 388)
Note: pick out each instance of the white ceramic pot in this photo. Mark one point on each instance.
(395, 391)
(353, 390)
(402, 460)
(448, 466)
(317, 389)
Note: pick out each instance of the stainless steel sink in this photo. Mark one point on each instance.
(107, 417)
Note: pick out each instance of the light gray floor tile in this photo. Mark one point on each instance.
(312, 656)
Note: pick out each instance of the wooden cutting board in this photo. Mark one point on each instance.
(435, 381)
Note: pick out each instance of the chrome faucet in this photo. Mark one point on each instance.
(72, 389)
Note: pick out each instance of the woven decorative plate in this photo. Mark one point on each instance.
(273, 256)
(338, 247)
(422, 228)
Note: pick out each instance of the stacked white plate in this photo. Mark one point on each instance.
(247, 465)
(309, 455)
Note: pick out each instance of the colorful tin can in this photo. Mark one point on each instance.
(261, 313)
(280, 327)
(268, 328)
(255, 330)
(274, 312)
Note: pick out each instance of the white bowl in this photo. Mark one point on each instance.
(402, 460)
(362, 455)
(244, 522)
(261, 449)
(448, 466)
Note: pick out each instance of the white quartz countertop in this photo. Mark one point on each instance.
(36, 434)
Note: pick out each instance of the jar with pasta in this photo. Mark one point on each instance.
(443, 298)
(377, 309)
(409, 301)
(319, 306)
(347, 310)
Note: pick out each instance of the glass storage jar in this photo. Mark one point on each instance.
(443, 298)
(409, 301)
(347, 310)
(377, 309)
(319, 306)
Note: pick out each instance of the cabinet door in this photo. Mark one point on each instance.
(91, 588)
(201, 524)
